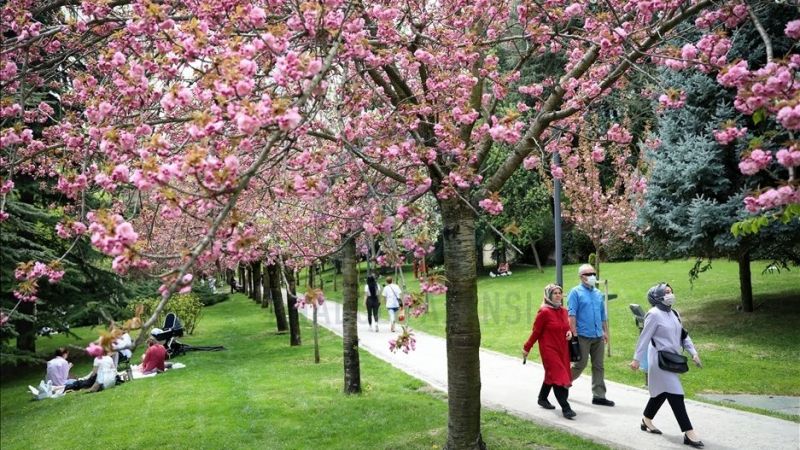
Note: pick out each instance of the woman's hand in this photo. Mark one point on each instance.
(634, 365)
(696, 359)
(569, 334)
(524, 354)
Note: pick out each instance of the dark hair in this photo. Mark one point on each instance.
(372, 285)
(61, 351)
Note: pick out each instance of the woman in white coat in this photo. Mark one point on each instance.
(663, 330)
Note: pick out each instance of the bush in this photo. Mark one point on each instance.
(207, 297)
(187, 307)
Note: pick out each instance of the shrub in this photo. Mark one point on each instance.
(187, 307)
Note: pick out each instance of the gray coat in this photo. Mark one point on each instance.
(664, 328)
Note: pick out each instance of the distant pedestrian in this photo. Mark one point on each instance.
(587, 320)
(663, 330)
(372, 301)
(391, 292)
(551, 329)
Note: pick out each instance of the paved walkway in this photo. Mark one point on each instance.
(508, 385)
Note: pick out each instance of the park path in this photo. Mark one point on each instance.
(510, 386)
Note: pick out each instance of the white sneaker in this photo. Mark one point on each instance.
(376, 327)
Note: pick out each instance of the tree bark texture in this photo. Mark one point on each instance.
(352, 367)
(745, 281)
(294, 316)
(277, 297)
(462, 328)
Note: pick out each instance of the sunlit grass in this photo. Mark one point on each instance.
(259, 393)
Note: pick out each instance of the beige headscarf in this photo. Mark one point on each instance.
(548, 295)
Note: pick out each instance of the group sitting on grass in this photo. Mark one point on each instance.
(104, 374)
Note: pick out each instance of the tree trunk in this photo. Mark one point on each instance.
(251, 273)
(26, 340)
(745, 281)
(536, 257)
(257, 281)
(266, 282)
(277, 297)
(246, 282)
(229, 278)
(241, 283)
(352, 368)
(316, 336)
(462, 327)
(311, 276)
(294, 316)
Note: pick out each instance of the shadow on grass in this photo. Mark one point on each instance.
(774, 314)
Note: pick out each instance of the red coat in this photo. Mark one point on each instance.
(550, 329)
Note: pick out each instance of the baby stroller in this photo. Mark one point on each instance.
(168, 336)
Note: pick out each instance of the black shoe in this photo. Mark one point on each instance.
(569, 414)
(546, 404)
(602, 401)
(650, 430)
(695, 444)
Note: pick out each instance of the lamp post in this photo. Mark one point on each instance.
(557, 222)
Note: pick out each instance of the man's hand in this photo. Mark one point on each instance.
(634, 365)
(605, 337)
(524, 354)
(696, 359)
(569, 334)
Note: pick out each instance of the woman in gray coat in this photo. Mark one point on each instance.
(663, 331)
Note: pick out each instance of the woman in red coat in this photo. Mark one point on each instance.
(551, 329)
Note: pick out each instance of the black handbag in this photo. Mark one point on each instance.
(672, 362)
(574, 350)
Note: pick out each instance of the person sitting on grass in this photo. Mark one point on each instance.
(58, 368)
(103, 369)
(153, 359)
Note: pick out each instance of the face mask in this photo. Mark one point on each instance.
(669, 299)
(592, 280)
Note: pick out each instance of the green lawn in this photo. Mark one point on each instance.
(742, 352)
(259, 393)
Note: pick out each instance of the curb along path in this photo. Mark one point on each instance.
(508, 385)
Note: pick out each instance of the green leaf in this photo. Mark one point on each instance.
(759, 116)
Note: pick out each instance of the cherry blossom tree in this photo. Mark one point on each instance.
(192, 113)
(603, 201)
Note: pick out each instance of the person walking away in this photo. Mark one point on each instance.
(551, 329)
(391, 292)
(588, 321)
(663, 330)
(372, 301)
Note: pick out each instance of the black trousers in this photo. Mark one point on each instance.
(677, 405)
(561, 392)
(372, 311)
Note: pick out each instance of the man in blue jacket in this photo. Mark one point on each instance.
(588, 321)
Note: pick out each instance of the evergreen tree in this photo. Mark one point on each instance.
(696, 190)
(86, 287)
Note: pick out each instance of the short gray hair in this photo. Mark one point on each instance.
(584, 267)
